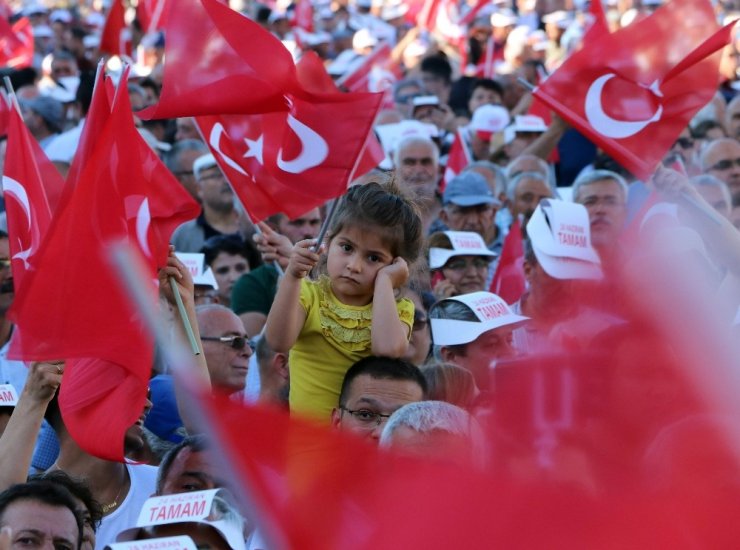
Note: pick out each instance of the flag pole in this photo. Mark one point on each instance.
(325, 225)
(184, 317)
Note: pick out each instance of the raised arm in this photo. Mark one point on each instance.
(287, 316)
(19, 438)
(389, 336)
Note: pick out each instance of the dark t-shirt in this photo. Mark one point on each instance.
(255, 290)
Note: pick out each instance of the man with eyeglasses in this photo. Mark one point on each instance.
(721, 159)
(226, 347)
(372, 390)
(604, 194)
(219, 216)
(180, 159)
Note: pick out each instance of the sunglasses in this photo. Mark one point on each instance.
(725, 164)
(236, 342)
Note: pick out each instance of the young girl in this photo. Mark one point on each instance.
(352, 311)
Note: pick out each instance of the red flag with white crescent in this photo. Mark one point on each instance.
(16, 43)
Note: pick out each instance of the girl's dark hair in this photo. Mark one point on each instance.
(384, 209)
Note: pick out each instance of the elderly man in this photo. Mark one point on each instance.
(472, 330)
(41, 514)
(372, 390)
(188, 466)
(226, 347)
(715, 192)
(219, 216)
(526, 190)
(604, 194)
(417, 167)
(180, 159)
(721, 159)
(470, 205)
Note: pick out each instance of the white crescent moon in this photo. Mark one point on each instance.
(143, 220)
(214, 140)
(16, 189)
(606, 125)
(314, 149)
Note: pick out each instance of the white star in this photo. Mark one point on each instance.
(254, 148)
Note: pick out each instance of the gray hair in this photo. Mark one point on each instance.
(542, 164)
(514, 182)
(414, 140)
(598, 175)
(713, 145)
(501, 178)
(172, 157)
(407, 82)
(429, 416)
(707, 180)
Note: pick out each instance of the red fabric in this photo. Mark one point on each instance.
(292, 162)
(124, 193)
(458, 158)
(485, 69)
(25, 187)
(375, 67)
(624, 93)
(509, 281)
(151, 14)
(304, 15)
(214, 56)
(16, 43)
(116, 38)
(599, 25)
(427, 15)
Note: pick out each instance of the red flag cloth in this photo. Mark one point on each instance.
(214, 56)
(508, 280)
(485, 69)
(292, 162)
(626, 91)
(16, 43)
(151, 14)
(124, 193)
(116, 38)
(598, 23)
(303, 15)
(26, 204)
(374, 68)
(458, 158)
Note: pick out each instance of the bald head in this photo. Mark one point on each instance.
(417, 166)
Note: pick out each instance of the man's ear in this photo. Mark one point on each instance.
(447, 354)
(280, 362)
(443, 216)
(528, 267)
(336, 418)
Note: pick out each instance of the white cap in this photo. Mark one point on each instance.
(425, 101)
(464, 243)
(524, 124)
(560, 233)
(503, 18)
(202, 163)
(195, 263)
(489, 119)
(43, 31)
(490, 310)
(180, 542)
(363, 39)
(8, 395)
(61, 16)
(196, 507)
(393, 11)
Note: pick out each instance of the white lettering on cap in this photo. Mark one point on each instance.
(467, 243)
(178, 508)
(193, 261)
(8, 395)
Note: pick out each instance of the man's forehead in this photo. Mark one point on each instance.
(724, 150)
(600, 188)
(417, 150)
(368, 389)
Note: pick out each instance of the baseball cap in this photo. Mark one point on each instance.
(491, 311)
(425, 101)
(504, 17)
(464, 243)
(203, 163)
(47, 108)
(489, 119)
(524, 124)
(468, 189)
(560, 233)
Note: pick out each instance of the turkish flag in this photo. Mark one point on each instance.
(116, 37)
(292, 162)
(458, 158)
(16, 43)
(123, 193)
(25, 190)
(376, 69)
(216, 55)
(303, 15)
(151, 14)
(508, 280)
(485, 69)
(633, 91)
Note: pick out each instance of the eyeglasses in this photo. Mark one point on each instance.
(420, 320)
(236, 342)
(212, 176)
(461, 264)
(367, 419)
(725, 164)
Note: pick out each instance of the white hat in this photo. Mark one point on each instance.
(34, 8)
(8, 395)
(91, 41)
(503, 18)
(425, 101)
(180, 542)
(363, 39)
(203, 163)
(560, 233)
(393, 11)
(43, 31)
(203, 507)
(561, 18)
(524, 124)
(490, 310)
(489, 119)
(61, 16)
(195, 263)
(464, 243)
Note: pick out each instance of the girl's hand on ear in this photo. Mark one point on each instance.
(397, 271)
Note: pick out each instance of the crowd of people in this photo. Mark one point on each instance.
(432, 281)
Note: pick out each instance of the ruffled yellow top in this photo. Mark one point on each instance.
(333, 338)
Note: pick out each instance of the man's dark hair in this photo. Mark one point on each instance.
(386, 368)
(488, 84)
(438, 66)
(45, 492)
(234, 245)
(79, 489)
(196, 443)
